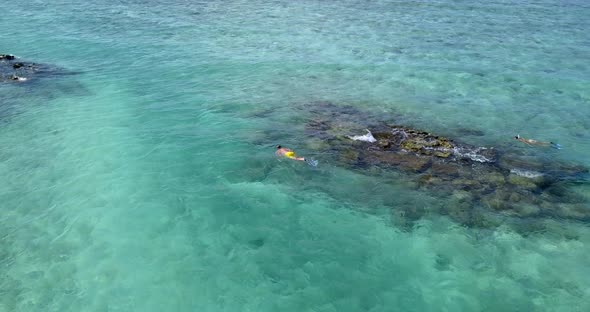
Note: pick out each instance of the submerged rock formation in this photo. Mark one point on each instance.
(12, 69)
(9, 57)
(478, 180)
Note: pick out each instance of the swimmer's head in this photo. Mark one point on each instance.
(517, 136)
(278, 146)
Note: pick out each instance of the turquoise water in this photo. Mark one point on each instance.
(146, 181)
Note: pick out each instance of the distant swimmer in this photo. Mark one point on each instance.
(288, 153)
(532, 142)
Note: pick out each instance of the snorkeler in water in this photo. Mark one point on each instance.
(532, 142)
(286, 152)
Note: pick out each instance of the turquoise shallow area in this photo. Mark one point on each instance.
(146, 181)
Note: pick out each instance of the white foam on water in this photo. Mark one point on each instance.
(473, 154)
(526, 173)
(365, 138)
(459, 152)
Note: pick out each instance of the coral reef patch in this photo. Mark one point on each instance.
(478, 180)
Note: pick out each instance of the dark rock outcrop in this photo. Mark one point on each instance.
(479, 181)
(12, 69)
(7, 57)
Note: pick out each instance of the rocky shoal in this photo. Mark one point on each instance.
(13, 69)
(477, 180)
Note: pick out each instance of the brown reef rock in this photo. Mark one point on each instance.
(499, 181)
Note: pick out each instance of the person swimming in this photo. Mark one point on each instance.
(286, 152)
(532, 142)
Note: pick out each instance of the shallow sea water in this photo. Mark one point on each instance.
(146, 181)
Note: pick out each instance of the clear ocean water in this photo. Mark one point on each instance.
(146, 181)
